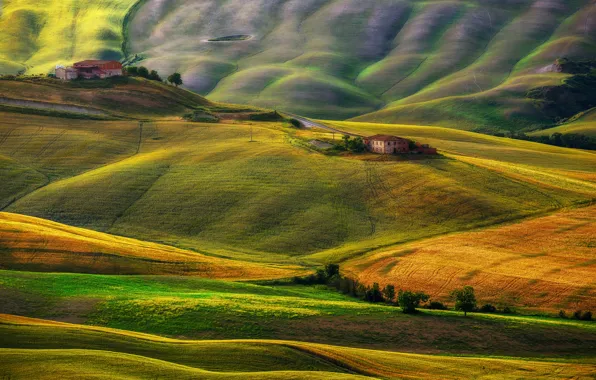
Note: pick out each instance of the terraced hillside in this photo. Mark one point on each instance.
(463, 64)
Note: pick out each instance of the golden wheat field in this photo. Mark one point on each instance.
(542, 263)
(29, 243)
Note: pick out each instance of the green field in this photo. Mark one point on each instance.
(585, 125)
(193, 308)
(57, 353)
(206, 187)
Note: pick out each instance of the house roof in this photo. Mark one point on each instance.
(93, 62)
(385, 138)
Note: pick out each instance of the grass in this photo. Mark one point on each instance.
(38, 35)
(206, 187)
(146, 355)
(541, 264)
(120, 97)
(359, 58)
(584, 125)
(209, 309)
(39, 245)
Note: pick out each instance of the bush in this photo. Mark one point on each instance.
(410, 301)
(374, 294)
(508, 310)
(296, 123)
(577, 315)
(488, 308)
(266, 116)
(562, 314)
(436, 305)
(587, 316)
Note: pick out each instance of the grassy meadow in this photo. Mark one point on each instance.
(142, 355)
(40, 245)
(38, 35)
(206, 187)
(276, 202)
(195, 308)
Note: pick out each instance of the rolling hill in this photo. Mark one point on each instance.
(38, 245)
(141, 355)
(461, 64)
(276, 202)
(114, 98)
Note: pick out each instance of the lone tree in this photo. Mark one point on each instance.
(176, 79)
(389, 293)
(465, 299)
(409, 301)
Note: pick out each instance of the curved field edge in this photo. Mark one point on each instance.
(124, 344)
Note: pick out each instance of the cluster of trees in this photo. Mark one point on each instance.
(567, 140)
(579, 315)
(355, 144)
(408, 301)
(143, 72)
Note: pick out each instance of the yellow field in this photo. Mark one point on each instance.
(38, 35)
(544, 263)
(35, 244)
(237, 358)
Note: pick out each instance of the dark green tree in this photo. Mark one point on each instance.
(409, 301)
(331, 270)
(389, 293)
(132, 71)
(465, 299)
(143, 72)
(175, 79)
(154, 75)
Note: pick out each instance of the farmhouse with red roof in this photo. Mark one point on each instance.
(90, 69)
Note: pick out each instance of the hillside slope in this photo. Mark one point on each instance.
(343, 58)
(205, 186)
(37, 35)
(142, 355)
(34, 244)
(456, 63)
(121, 97)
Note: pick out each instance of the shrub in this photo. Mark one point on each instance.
(562, 314)
(436, 305)
(507, 310)
(266, 116)
(409, 301)
(488, 308)
(296, 123)
(374, 294)
(587, 316)
(577, 315)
